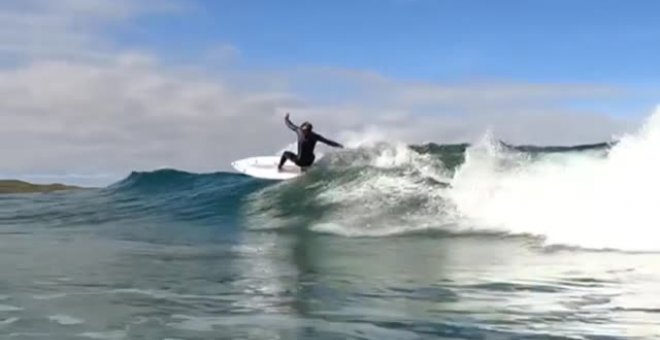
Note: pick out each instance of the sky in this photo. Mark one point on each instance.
(91, 90)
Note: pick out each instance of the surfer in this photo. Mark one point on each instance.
(306, 142)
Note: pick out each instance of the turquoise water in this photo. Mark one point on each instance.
(372, 244)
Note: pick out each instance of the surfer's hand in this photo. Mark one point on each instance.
(286, 116)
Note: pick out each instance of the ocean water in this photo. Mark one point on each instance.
(384, 241)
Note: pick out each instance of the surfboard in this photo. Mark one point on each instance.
(265, 167)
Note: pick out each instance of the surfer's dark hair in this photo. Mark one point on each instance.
(308, 125)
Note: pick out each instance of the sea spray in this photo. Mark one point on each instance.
(583, 199)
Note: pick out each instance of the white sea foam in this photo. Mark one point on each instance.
(49, 296)
(166, 295)
(8, 321)
(109, 335)
(576, 199)
(8, 308)
(391, 195)
(65, 320)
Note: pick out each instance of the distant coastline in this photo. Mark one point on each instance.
(11, 186)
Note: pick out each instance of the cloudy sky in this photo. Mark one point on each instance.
(92, 89)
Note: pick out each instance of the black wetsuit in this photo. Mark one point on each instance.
(306, 144)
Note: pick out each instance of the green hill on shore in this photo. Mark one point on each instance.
(19, 187)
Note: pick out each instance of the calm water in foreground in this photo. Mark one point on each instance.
(66, 284)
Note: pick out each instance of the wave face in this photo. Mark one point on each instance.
(384, 189)
(598, 196)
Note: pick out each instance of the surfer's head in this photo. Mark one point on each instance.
(306, 127)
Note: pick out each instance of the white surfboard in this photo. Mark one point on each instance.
(266, 167)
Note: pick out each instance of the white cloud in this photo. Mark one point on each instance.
(66, 28)
(458, 112)
(500, 93)
(70, 116)
(223, 54)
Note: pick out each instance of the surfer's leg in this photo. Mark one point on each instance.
(287, 155)
(306, 163)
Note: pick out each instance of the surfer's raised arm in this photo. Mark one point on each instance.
(289, 124)
(329, 142)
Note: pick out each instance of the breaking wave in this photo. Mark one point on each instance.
(599, 196)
